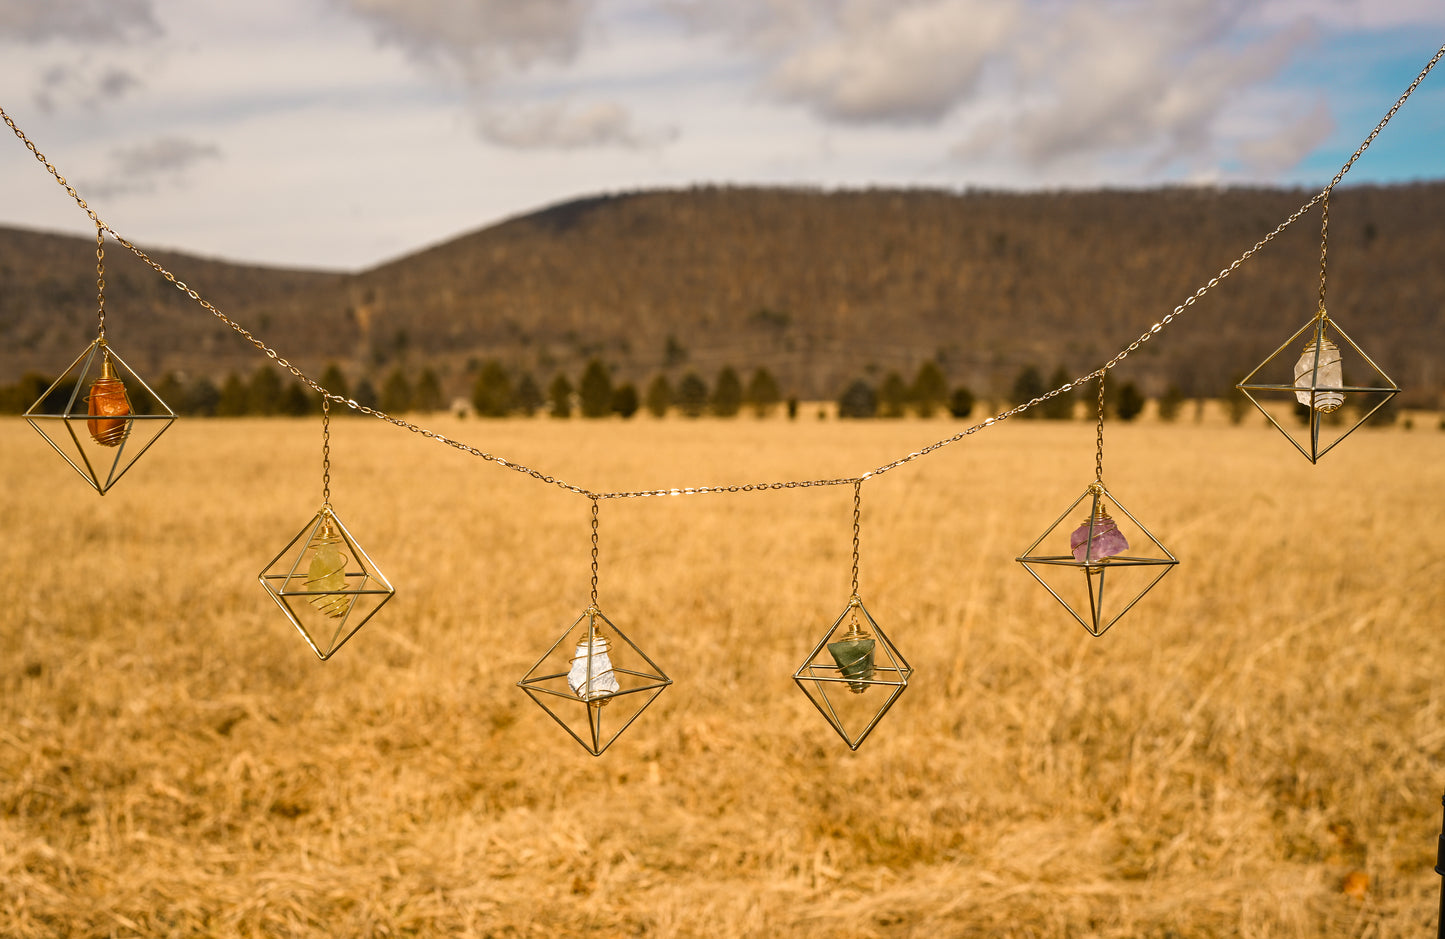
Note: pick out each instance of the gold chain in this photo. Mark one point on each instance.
(594, 552)
(100, 279)
(749, 487)
(325, 451)
(1324, 246)
(1099, 435)
(857, 518)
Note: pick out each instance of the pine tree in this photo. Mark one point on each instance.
(528, 397)
(1130, 403)
(595, 392)
(930, 389)
(492, 393)
(659, 396)
(1061, 406)
(762, 394)
(428, 396)
(692, 395)
(365, 394)
(560, 396)
(233, 399)
(1170, 403)
(202, 397)
(334, 380)
(1027, 386)
(892, 396)
(960, 403)
(296, 400)
(264, 395)
(396, 393)
(624, 400)
(727, 394)
(858, 400)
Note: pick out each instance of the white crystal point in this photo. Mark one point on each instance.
(604, 683)
(1329, 374)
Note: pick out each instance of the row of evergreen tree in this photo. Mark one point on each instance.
(495, 393)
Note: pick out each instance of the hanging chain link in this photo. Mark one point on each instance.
(100, 280)
(1153, 330)
(857, 518)
(1099, 435)
(325, 452)
(594, 552)
(1324, 246)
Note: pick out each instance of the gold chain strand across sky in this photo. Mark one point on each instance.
(745, 487)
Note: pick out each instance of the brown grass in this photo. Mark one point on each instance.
(1253, 751)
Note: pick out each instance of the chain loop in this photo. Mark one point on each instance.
(325, 452)
(1324, 246)
(1099, 435)
(594, 552)
(1153, 330)
(857, 517)
(100, 279)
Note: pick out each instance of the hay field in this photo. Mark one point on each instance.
(1253, 751)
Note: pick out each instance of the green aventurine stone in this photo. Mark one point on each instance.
(855, 659)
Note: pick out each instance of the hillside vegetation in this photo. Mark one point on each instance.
(818, 287)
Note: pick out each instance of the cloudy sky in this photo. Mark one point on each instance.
(340, 133)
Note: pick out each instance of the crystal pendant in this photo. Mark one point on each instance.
(854, 674)
(100, 416)
(1328, 407)
(1113, 580)
(594, 681)
(325, 583)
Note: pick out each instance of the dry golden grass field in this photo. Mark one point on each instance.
(1254, 750)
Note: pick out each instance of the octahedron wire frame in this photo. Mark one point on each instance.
(594, 681)
(1129, 575)
(100, 447)
(326, 600)
(1274, 377)
(840, 690)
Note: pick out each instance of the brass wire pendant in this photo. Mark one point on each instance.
(594, 681)
(1113, 580)
(1315, 387)
(323, 580)
(855, 672)
(121, 415)
(1120, 562)
(1309, 374)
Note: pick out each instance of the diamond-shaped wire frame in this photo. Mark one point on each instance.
(324, 582)
(1109, 586)
(1306, 372)
(594, 681)
(129, 416)
(849, 681)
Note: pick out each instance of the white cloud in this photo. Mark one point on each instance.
(1153, 84)
(893, 62)
(143, 167)
(83, 83)
(76, 20)
(479, 39)
(1291, 143)
(562, 126)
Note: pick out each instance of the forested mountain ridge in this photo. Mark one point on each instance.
(819, 287)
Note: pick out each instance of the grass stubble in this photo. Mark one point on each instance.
(1253, 751)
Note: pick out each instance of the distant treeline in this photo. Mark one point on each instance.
(496, 392)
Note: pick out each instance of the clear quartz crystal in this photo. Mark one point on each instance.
(604, 682)
(1330, 374)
